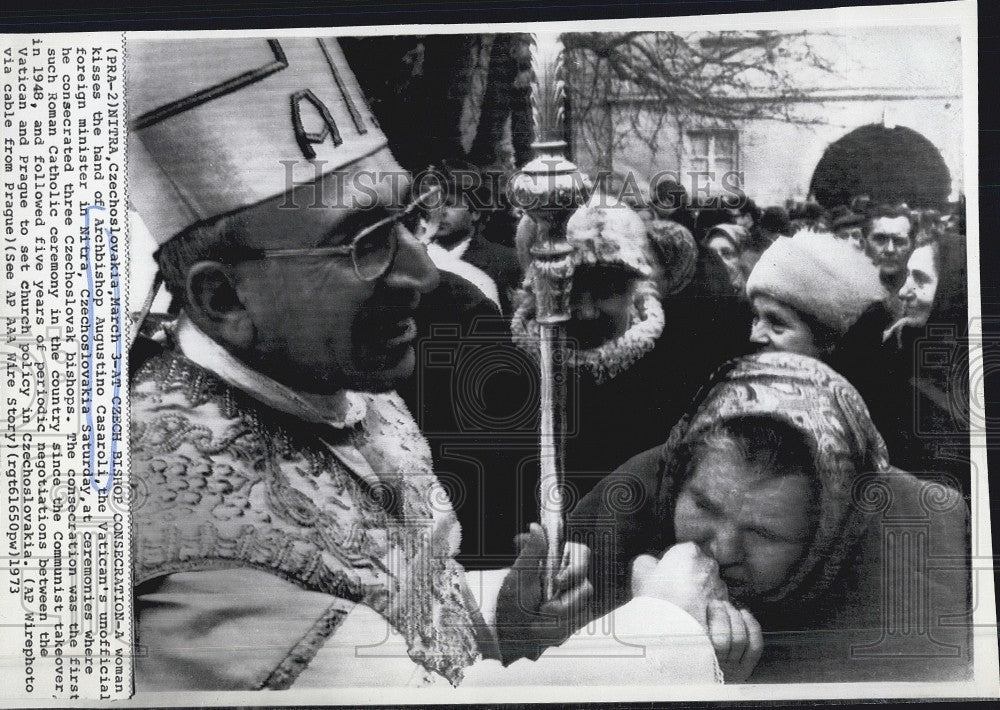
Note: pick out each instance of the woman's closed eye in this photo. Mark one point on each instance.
(776, 324)
(768, 535)
(703, 503)
(776, 536)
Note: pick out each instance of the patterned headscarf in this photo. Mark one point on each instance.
(850, 456)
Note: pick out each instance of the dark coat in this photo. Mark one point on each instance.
(612, 421)
(457, 394)
(500, 264)
(916, 390)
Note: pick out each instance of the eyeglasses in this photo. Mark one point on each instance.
(372, 250)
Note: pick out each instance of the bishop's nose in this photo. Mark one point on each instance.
(412, 268)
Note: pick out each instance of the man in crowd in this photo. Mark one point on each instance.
(809, 215)
(282, 489)
(670, 201)
(849, 225)
(773, 223)
(453, 223)
(889, 239)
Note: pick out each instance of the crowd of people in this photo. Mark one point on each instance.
(807, 327)
(341, 426)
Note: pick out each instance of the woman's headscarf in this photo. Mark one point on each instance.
(849, 453)
(675, 255)
(951, 302)
(950, 307)
(735, 234)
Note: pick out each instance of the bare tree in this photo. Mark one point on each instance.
(634, 83)
(445, 97)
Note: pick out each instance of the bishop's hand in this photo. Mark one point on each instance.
(689, 578)
(527, 624)
(684, 576)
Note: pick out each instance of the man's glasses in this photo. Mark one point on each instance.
(372, 250)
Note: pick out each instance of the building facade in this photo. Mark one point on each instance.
(908, 77)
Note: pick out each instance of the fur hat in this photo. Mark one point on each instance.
(609, 234)
(606, 234)
(818, 275)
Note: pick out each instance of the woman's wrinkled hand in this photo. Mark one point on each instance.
(737, 638)
(689, 578)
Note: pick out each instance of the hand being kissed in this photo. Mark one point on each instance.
(688, 578)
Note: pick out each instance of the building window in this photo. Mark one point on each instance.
(712, 151)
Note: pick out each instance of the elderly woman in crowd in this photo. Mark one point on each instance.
(778, 474)
(615, 328)
(807, 290)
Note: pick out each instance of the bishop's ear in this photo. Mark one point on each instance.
(215, 305)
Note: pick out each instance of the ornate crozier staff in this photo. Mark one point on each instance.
(549, 188)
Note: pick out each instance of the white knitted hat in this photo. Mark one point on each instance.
(819, 275)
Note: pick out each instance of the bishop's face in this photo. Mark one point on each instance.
(317, 325)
